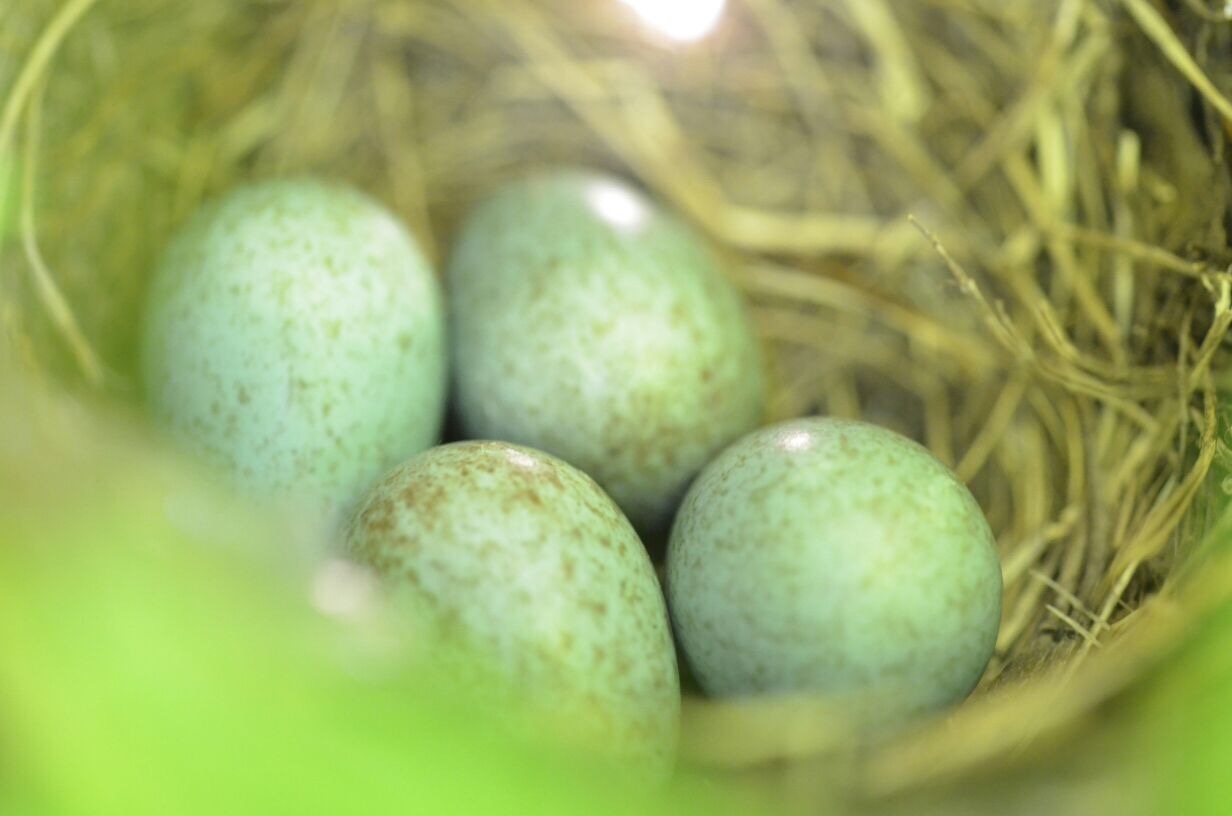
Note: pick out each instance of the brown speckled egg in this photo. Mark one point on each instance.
(824, 555)
(524, 555)
(589, 323)
(294, 335)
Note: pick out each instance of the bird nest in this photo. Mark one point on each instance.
(998, 227)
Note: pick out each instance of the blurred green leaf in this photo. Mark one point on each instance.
(1187, 722)
(9, 195)
(160, 657)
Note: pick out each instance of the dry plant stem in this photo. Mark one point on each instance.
(995, 319)
(1077, 554)
(1015, 125)
(24, 96)
(1070, 598)
(1157, 28)
(1088, 298)
(903, 95)
(36, 65)
(1023, 605)
(1096, 434)
(53, 300)
(1136, 250)
(652, 145)
(1166, 516)
(1082, 631)
(392, 95)
(990, 434)
(767, 279)
(800, 68)
(1027, 553)
(1005, 330)
(1200, 8)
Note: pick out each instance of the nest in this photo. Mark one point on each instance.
(998, 227)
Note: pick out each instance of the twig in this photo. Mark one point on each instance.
(53, 299)
(1157, 29)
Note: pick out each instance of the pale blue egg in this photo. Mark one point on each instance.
(523, 556)
(295, 336)
(830, 556)
(589, 323)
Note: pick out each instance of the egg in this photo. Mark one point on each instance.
(295, 336)
(589, 323)
(526, 558)
(835, 557)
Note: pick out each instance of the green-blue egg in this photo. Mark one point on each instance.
(295, 336)
(589, 323)
(836, 557)
(527, 559)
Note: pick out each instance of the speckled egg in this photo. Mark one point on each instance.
(294, 335)
(823, 555)
(526, 557)
(588, 323)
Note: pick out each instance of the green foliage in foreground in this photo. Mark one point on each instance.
(1187, 721)
(158, 658)
(160, 654)
(9, 198)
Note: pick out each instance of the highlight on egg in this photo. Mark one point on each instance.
(835, 557)
(294, 336)
(588, 322)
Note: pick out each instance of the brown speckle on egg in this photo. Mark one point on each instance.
(589, 323)
(529, 558)
(294, 335)
(823, 555)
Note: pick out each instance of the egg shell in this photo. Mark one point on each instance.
(525, 557)
(824, 555)
(588, 323)
(295, 336)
